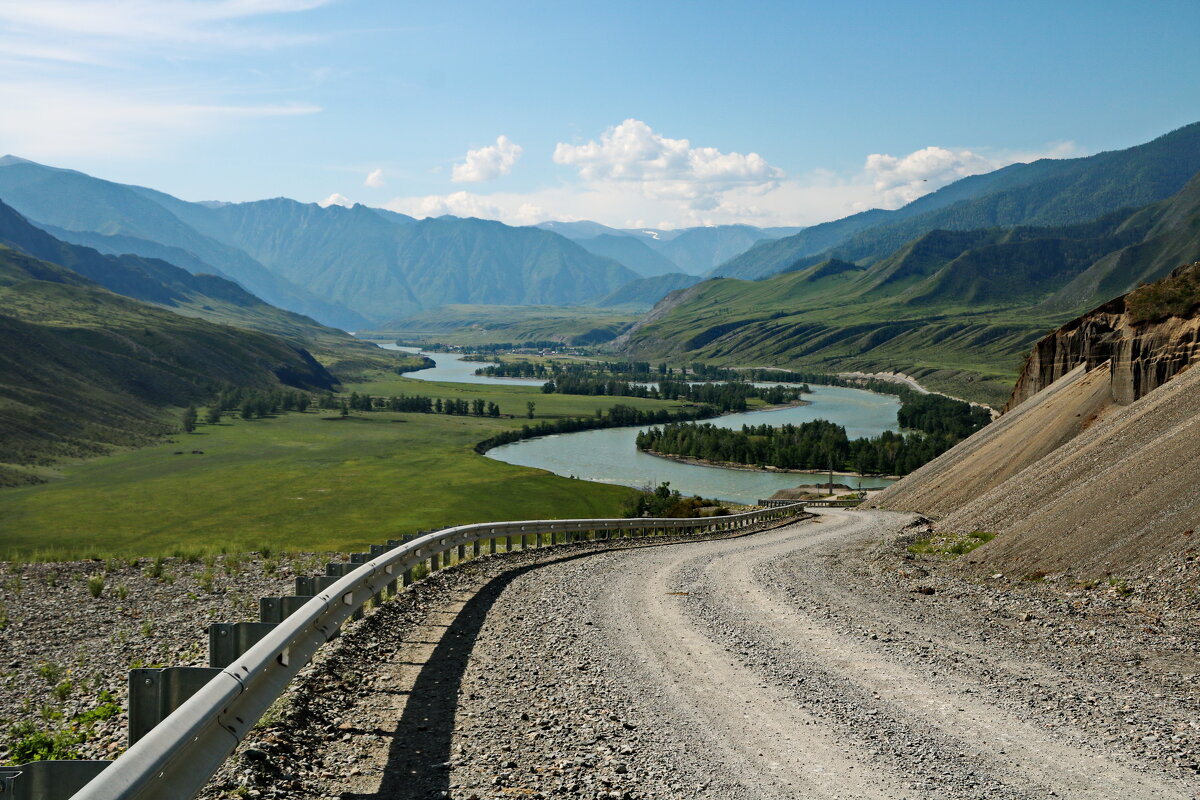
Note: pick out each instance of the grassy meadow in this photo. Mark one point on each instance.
(303, 481)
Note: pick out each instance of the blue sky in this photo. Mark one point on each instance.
(631, 114)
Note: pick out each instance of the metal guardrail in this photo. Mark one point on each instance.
(810, 503)
(190, 726)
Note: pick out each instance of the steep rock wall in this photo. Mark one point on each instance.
(1143, 354)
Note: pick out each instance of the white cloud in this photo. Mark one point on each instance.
(489, 162)
(42, 121)
(374, 179)
(86, 30)
(735, 191)
(336, 199)
(900, 180)
(668, 169)
(63, 61)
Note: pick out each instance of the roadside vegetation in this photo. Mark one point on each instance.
(663, 501)
(948, 546)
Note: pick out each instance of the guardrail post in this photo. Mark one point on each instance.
(227, 641)
(47, 780)
(392, 544)
(476, 548)
(155, 693)
(277, 609)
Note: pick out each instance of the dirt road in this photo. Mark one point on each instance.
(752, 667)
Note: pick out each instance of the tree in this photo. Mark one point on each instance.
(529, 407)
(345, 409)
(213, 415)
(188, 419)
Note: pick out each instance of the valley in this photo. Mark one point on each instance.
(391, 409)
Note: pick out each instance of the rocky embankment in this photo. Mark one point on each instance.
(1144, 349)
(70, 631)
(1093, 469)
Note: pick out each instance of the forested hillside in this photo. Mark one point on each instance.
(210, 297)
(83, 369)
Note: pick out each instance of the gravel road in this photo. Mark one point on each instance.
(799, 662)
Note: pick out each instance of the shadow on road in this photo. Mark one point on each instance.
(422, 739)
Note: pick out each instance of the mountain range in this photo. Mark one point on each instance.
(654, 251)
(957, 308)
(359, 267)
(1044, 192)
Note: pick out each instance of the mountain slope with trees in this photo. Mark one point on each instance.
(210, 297)
(83, 369)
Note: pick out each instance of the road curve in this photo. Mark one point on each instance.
(733, 668)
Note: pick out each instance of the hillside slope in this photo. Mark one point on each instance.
(1094, 467)
(955, 308)
(210, 297)
(644, 293)
(1044, 192)
(117, 219)
(82, 369)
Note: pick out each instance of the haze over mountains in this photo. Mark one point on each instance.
(653, 251)
(354, 267)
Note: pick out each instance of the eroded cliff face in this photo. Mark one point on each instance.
(1143, 355)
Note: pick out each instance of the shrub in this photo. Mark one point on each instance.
(50, 672)
(95, 585)
(155, 568)
(206, 581)
(28, 743)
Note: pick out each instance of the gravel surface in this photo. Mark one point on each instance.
(812, 660)
(55, 635)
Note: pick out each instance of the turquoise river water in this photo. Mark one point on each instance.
(610, 455)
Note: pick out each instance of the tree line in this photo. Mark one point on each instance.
(724, 396)
(616, 417)
(815, 445)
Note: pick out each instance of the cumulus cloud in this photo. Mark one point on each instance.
(657, 182)
(669, 169)
(900, 180)
(336, 199)
(374, 179)
(489, 162)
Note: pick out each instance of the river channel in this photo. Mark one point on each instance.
(610, 455)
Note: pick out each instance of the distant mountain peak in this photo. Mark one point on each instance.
(9, 160)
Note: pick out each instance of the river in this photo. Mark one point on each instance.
(611, 456)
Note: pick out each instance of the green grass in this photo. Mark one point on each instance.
(950, 545)
(300, 482)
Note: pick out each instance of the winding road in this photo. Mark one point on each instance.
(759, 666)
